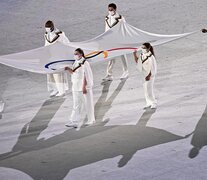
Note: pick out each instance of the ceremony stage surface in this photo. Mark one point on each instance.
(127, 142)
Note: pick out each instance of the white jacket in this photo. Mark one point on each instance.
(55, 36)
(88, 74)
(81, 68)
(146, 64)
(111, 21)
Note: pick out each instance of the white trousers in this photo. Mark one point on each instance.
(89, 105)
(81, 101)
(78, 104)
(57, 82)
(112, 62)
(149, 91)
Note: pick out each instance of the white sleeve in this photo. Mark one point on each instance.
(106, 26)
(88, 74)
(46, 42)
(63, 39)
(153, 66)
(139, 63)
(123, 19)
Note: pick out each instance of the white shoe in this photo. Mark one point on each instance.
(125, 75)
(71, 124)
(89, 123)
(53, 93)
(154, 106)
(108, 78)
(60, 94)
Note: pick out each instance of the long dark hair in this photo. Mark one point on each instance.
(81, 52)
(149, 46)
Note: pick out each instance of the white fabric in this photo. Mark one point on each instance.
(120, 36)
(51, 35)
(77, 76)
(1, 106)
(149, 91)
(110, 21)
(78, 104)
(111, 63)
(81, 101)
(88, 74)
(88, 97)
(57, 82)
(51, 85)
(82, 68)
(89, 105)
(149, 65)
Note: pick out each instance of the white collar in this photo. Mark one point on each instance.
(53, 32)
(80, 60)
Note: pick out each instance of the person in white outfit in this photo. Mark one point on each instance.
(147, 65)
(112, 19)
(57, 83)
(82, 84)
(1, 106)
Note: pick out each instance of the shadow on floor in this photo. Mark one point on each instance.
(55, 157)
(199, 138)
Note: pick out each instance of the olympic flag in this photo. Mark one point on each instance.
(119, 40)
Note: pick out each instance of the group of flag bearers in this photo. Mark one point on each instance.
(82, 76)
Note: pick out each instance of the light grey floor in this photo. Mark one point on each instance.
(127, 142)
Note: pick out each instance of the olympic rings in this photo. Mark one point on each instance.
(91, 55)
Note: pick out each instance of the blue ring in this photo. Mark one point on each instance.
(54, 62)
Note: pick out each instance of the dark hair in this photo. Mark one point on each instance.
(149, 46)
(50, 24)
(112, 5)
(80, 51)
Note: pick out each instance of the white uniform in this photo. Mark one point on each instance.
(146, 65)
(57, 82)
(1, 106)
(111, 21)
(82, 69)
